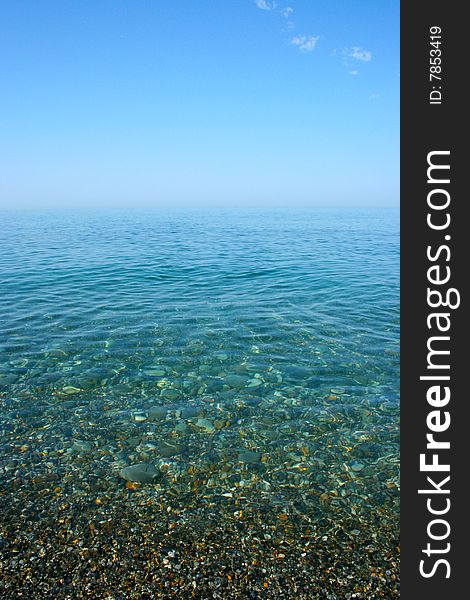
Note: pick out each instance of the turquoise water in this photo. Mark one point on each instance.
(250, 355)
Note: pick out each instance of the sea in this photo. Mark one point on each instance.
(203, 380)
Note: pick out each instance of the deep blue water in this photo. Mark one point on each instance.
(274, 332)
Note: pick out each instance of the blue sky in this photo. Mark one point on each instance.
(195, 103)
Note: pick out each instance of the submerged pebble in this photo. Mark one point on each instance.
(170, 394)
(167, 449)
(56, 353)
(205, 425)
(155, 372)
(70, 389)
(246, 456)
(82, 446)
(181, 428)
(356, 466)
(189, 412)
(236, 381)
(139, 417)
(139, 473)
(156, 413)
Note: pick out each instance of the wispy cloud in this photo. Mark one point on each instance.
(354, 72)
(357, 53)
(286, 13)
(374, 96)
(265, 4)
(305, 43)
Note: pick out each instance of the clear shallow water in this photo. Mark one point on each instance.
(239, 354)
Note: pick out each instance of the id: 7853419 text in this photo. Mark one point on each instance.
(435, 64)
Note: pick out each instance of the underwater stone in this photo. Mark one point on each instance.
(139, 473)
(181, 428)
(156, 413)
(139, 417)
(134, 441)
(122, 388)
(206, 425)
(70, 389)
(170, 394)
(155, 372)
(298, 372)
(87, 383)
(247, 456)
(236, 381)
(56, 353)
(356, 466)
(189, 412)
(365, 450)
(166, 450)
(81, 446)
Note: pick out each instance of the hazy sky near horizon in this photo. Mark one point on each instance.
(194, 103)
